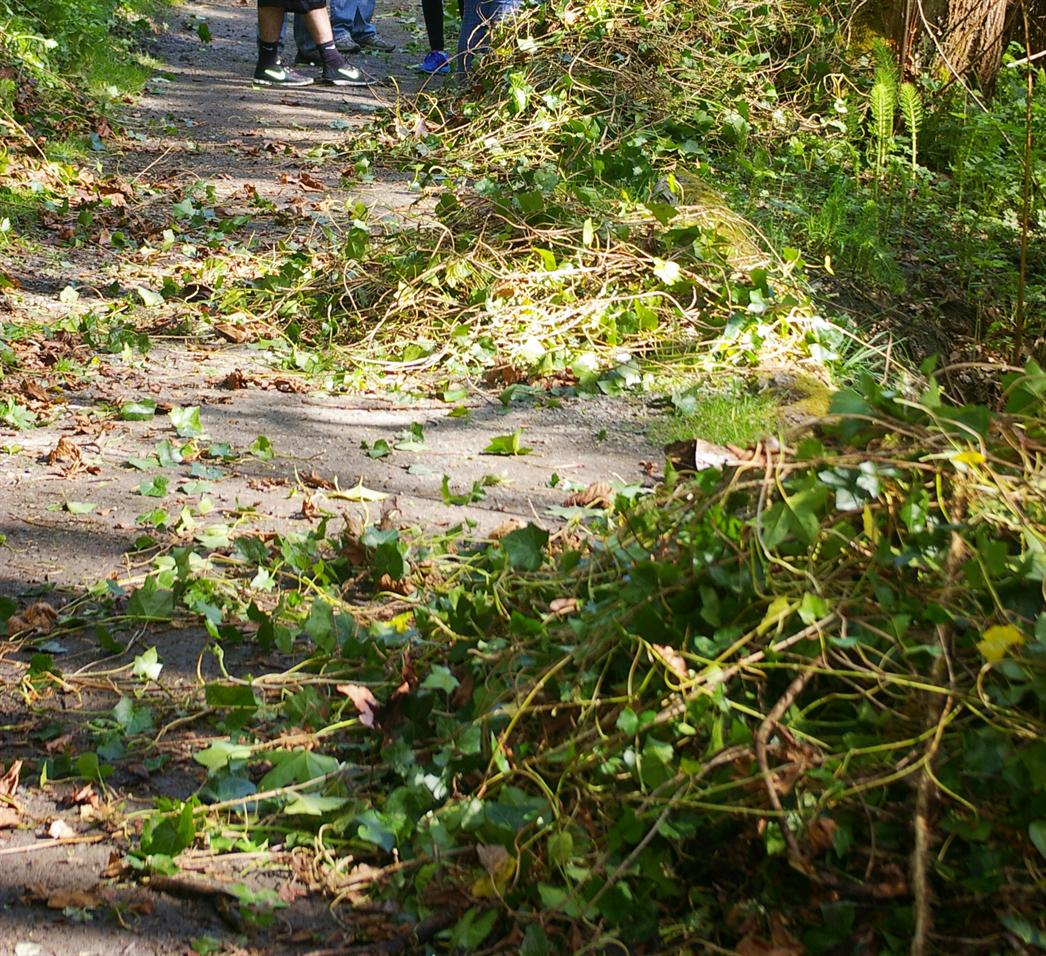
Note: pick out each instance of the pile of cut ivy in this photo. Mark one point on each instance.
(797, 702)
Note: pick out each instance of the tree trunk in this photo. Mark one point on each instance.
(973, 36)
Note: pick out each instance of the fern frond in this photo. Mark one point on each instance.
(883, 102)
(912, 111)
(885, 64)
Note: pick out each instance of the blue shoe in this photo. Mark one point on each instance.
(436, 62)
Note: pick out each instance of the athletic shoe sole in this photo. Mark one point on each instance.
(286, 84)
(324, 81)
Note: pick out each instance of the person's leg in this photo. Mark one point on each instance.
(477, 18)
(335, 68)
(269, 70)
(359, 14)
(307, 50)
(432, 10)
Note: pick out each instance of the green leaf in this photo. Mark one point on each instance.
(667, 271)
(372, 828)
(186, 421)
(147, 665)
(80, 507)
(220, 754)
(525, 547)
(314, 805)
(230, 695)
(379, 449)
(139, 411)
(169, 835)
(155, 487)
(150, 603)
(261, 448)
(507, 445)
(440, 678)
(1037, 835)
(474, 927)
(296, 766)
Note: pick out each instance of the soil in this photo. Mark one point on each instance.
(201, 124)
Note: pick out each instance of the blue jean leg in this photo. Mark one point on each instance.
(348, 18)
(477, 16)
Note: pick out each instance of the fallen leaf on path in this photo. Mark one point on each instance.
(363, 700)
(234, 380)
(86, 794)
(9, 818)
(66, 454)
(74, 899)
(60, 830)
(38, 617)
(9, 781)
(506, 527)
(58, 744)
(232, 333)
(288, 385)
(754, 946)
(312, 480)
(31, 390)
(597, 495)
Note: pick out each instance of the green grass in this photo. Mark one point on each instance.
(733, 417)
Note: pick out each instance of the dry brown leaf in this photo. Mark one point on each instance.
(9, 781)
(676, 663)
(74, 899)
(396, 585)
(288, 385)
(86, 795)
(363, 700)
(312, 480)
(38, 617)
(491, 856)
(234, 380)
(31, 390)
(66, 453)
(232, 333)
(59, 744)
(597, 495)
(820, 834)
(9, 818)
(506, 527)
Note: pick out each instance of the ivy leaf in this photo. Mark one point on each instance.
(525, 547)
(155, 487)
(296, 766)
(147, 665)
(139, 411)
(186, 421)
(440, 678)
(508, 445)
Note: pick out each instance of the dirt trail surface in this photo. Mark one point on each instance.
(73, 490)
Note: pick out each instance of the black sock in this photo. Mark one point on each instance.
(268, 54)
(332, 59)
